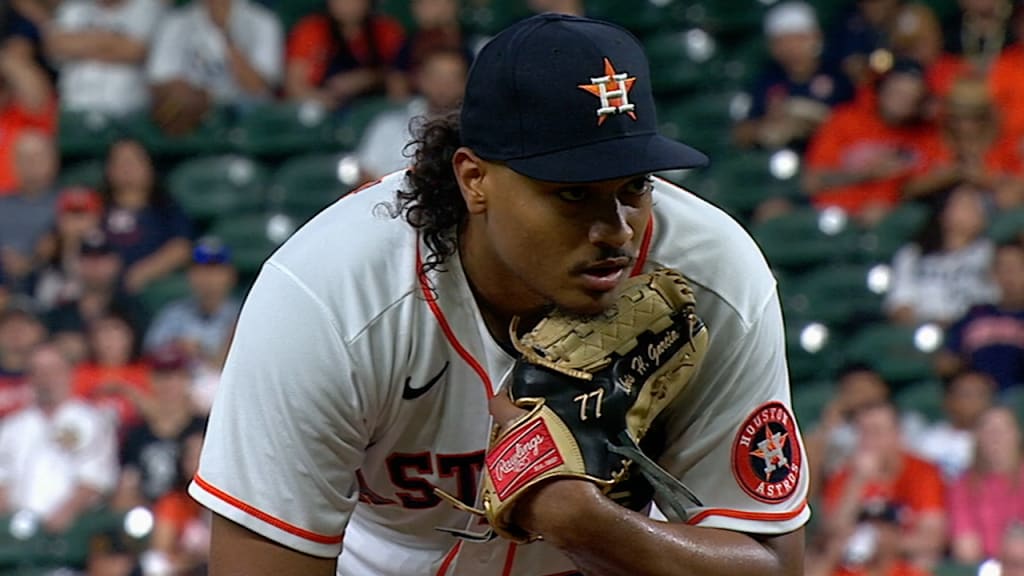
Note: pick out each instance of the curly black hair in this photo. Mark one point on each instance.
(431, 201)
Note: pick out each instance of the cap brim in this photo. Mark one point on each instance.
(610, 160)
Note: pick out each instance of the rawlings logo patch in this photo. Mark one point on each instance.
(521, 457)
(766, 455)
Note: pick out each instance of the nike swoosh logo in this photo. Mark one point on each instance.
(410, 393)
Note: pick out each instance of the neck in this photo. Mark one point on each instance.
(956, 240)
(499, 294)
(171, 417)
(131, 198)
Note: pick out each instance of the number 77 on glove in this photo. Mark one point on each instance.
(592, 387)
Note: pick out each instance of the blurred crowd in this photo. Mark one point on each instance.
(103, 396)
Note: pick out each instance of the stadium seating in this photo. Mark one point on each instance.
(282, 129)
(1007, 224)
(809, 401)
(163, 291)
(881, 242)
(88, 173)
(252, 238)
(303, 185)
(837, 296)
(84, 134)
(803, 239)
(924, 397)
(891, 351)
(210, 186)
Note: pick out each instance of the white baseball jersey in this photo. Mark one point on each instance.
(352, 390)
(109, 87)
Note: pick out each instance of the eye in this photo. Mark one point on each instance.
(638, 186)
(572, 194)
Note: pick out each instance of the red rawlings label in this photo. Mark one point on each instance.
(522, 456)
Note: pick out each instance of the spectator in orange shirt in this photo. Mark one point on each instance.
(974, 149)
(113, 379)
(917, 36)
(1005, 77)
(872, 550)
(26, 103)
(881, 469)
(859, 159)
(342, 53)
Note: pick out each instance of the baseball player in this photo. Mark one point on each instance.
(381, 343)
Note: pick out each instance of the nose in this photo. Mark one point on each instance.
(611, 228)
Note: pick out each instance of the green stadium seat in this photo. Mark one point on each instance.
(291, 11)
(677, 69)
(809, 399)
(923, 397)
(282, 129)
(88, 173)
(357, 118)
(890, 350)
(898, 227)
(1007, 224)
(304, 185)
(745, 180)
(489, 18)
(211, 137)
(211, 186)
(734, 19)
(164, 291)
(639, 16)
(834, 295)
(807, 365)
(950, 568)
(85, 134)
(799, 240)
(252, 238)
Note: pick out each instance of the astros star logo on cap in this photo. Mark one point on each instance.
(615, 100)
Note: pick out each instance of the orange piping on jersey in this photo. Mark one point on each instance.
(510, 559)
(645, 246)
(449, 558)
(447, 329)
(761, 516)
(261, 515)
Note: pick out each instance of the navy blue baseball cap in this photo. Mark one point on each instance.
(567, 99)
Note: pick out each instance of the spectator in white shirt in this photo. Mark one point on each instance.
(440, 79)
(230, 49)
(58, 457)
(100, 47)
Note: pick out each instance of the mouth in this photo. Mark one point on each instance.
(605, 275)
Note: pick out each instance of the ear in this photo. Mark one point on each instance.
(470, 172)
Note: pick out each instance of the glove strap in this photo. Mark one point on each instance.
(673, 491)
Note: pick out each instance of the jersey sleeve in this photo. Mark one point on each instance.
(289, 424)
(733, 440)
(166, 59)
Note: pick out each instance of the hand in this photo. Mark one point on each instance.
(135, 279)
(867, 465)
(15, 263)
(59, 521)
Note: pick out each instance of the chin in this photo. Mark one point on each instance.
(587, 303)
